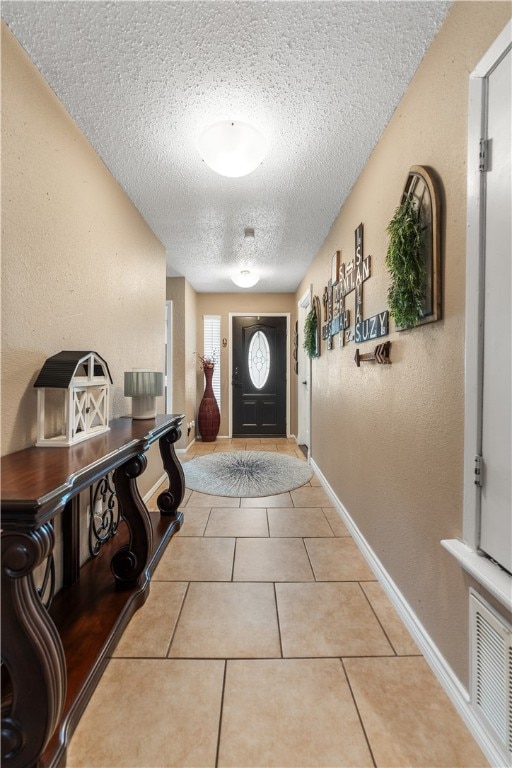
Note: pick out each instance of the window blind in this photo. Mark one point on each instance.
(211, 344)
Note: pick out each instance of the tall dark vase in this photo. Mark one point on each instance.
(208, 416)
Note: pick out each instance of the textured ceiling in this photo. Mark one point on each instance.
(319, 79)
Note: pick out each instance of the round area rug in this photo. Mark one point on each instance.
(245, 473)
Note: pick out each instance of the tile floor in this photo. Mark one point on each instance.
(266, 641)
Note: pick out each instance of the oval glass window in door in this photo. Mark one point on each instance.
(259, 359)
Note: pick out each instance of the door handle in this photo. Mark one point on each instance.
(304, 382)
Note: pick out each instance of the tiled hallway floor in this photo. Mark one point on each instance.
(266, 641)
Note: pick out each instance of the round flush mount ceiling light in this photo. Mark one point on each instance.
(232, 148)
(245, 278)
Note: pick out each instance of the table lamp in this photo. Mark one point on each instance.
(143, 386)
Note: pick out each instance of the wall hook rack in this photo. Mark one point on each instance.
(379, 355)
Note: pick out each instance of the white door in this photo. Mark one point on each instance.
(496, 502)
(303, 375)
(488, 497)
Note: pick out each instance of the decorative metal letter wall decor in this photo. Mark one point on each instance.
(335, 289)
(332, 302)
(335, 266)
(372, 328)
(351, 277)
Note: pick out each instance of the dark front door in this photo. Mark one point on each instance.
(259, 376)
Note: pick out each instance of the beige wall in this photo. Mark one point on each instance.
(81, 269)
(224, 303)
(389, 439)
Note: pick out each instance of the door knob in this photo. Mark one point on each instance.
(304, 382)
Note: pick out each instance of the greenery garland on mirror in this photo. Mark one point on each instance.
(404, 260)
(310, 333)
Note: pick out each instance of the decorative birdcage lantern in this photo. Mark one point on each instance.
(72, 398)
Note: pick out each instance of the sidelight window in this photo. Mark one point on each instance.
(211, 348)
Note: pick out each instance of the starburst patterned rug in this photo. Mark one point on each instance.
(245, 473)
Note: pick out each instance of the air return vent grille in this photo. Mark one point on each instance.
(491, 670)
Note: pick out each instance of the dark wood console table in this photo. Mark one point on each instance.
(53, 658)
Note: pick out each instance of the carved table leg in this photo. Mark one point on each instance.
(71, 542)
(31, 651)
(169, 501)
(130, 561)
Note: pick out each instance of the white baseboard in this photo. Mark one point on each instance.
(457, 693)
(219, 437)
(185, 450)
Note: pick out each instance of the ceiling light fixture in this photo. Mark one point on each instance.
(245, 278)
(232, 148)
